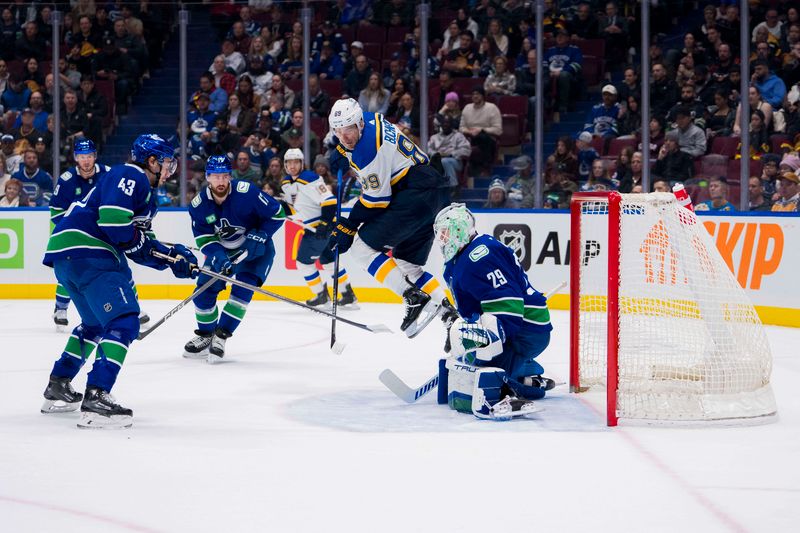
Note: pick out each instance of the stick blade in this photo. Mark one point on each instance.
(379, 328)
(396, 385)
(338, 347)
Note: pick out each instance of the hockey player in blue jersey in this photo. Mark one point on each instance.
(74, 184)
(503, 323)
(86, 250)
(310, 200)
(229, 218)
(401, 194)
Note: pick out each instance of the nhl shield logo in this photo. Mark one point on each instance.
(107, 307)
(518, 238)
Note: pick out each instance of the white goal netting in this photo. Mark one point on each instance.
(691, 346)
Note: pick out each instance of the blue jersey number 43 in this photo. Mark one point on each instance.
(126, 186)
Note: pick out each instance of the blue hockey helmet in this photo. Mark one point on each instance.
(218, 164)
(84, 146)
(151, 144)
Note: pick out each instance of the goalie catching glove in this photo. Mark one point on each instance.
(480, 338)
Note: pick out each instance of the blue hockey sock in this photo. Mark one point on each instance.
(62, 297)
(80, 345)
(112, 350)
(236, 307)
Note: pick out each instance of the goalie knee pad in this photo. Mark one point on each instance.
(471, 389)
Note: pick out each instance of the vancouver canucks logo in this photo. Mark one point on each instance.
(228, 232)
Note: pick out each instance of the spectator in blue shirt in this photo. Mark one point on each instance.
(36, 183)
(771, 87)
(218, 98)
(718, 191)
(16, 95)
(327, 64)
(602, 119)
(564, 62)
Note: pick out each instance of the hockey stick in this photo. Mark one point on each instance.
(336, 347)
(409, 395)
(188, 299)
(374, 328)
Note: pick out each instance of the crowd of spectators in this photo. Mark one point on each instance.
(108, 48)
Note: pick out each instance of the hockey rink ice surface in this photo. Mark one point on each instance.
(285, 436)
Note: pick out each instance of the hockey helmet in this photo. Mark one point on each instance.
(151, 144)
(218, 164)
(345, 112)
(84, 146)
(453, 229)
(293, 154)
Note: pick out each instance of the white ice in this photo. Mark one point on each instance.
(285, 436)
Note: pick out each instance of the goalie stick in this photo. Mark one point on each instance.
(409, 395)
(373, 328)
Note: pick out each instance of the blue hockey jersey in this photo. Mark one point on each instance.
(72, 186)
(37, 186)
(569, 59)
(246, 208)
(485, 277)
(105, 221)
(602, 120)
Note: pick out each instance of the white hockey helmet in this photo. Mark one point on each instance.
(453, 229)
(292, 154)
(345, 112)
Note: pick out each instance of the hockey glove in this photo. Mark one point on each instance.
(219, 262)
(140, 250)
(481, 338)
(186, 265)
(342, 235)
(255, 243)
(322, 231)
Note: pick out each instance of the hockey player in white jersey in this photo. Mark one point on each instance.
(401, 194)
(311, 201)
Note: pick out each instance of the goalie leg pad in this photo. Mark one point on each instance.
(487, 391)
(472, 389)
(460, 384)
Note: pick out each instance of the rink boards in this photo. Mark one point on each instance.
(763, 252)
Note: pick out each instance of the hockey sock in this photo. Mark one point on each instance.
(236, 307)
(111, 351)
(206, 318)
(80, 346)
(384, 269)
(62, 297)
(344, 279)
(312, 277)
(427, 283)
(205, 305)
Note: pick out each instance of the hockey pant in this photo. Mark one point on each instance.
(102, 291)
(63, 299)
(253, 272)
(310, 250)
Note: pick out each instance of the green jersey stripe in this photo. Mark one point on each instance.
(114, 216)
(537, 315)
(505, 306)
(70, 239)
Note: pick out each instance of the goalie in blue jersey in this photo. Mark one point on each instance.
(87, 250)
(503, 323)
(233, 223)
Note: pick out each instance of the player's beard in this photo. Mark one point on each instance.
(221, 192)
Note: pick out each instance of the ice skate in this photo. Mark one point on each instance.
(60, 397)
(449, 315)
(420, 310)
(60, 319)
(321, 300)
(347, 299)
(99, 410)
(511, 406)
(197, 348)
(217, 349)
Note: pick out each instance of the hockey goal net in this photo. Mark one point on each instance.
(658, 318)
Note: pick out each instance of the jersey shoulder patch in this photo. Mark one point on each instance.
(66, 175)
(243, 186)
(196, 200)
(478, 253)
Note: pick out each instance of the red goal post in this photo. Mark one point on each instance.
(657, 317)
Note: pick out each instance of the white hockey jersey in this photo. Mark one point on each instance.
(308, 196)
(381, 158)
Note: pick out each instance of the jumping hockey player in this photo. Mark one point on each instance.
(503, 323)
(86, 250)
(229, 218)
(314, 204)
(401, 194)
(73, 185)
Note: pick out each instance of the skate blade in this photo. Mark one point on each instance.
(504, 415)
(97, 421)
(429, 312)
(61, 328)
(214, 359)
(349, 307)
(50, 407)
(196, 355)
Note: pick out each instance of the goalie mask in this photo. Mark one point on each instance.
(453, 228)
